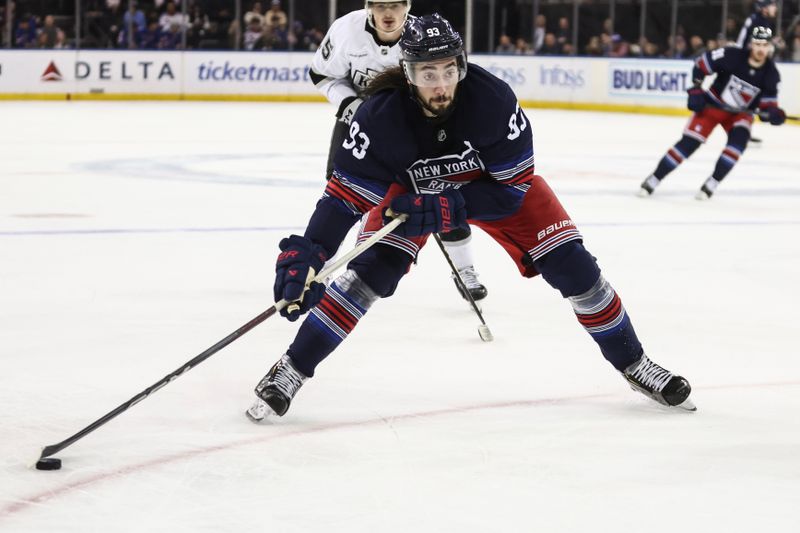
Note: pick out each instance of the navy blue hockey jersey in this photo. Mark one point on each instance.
(484, 148)
(738, 86)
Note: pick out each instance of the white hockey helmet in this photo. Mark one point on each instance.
(371, 19)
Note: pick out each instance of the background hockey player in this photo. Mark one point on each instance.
(444, 143)
(356, 48)
(764, 13)
(746, 82)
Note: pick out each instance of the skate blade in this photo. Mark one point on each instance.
(702, 196)
(259, 411)
(643, 193)
(687, 405)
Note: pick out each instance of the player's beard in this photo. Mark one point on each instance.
(439, 105)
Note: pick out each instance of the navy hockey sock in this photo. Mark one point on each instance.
(737, 142)
(345, 302)
(675, 156)
(571, 269)
(601, 313)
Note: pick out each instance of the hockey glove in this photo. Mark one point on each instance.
(697, 99)
(773, 114)
(429, 213)
(347, 109)
(299, 257)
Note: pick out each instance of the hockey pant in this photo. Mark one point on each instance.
(540, 238)
(697, 131)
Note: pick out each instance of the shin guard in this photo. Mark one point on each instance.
(345, 302)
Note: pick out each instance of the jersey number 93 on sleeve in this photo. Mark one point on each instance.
(516, 124)
(358, 141)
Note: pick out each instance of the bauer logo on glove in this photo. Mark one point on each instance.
(428, 213)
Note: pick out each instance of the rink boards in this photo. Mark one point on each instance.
(641, 85)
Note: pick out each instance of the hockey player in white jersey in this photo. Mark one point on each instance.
(357, 47)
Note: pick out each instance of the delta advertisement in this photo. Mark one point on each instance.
(589, 83)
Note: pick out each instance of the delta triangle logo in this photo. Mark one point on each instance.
(51, 73)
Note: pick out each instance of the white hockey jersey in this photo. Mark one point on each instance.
(349, 57)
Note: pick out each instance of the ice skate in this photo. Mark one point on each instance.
(659, 384)
(470, 278)
(648, 186)
(707, 190)
(275, 391)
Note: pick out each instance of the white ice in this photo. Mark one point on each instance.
(133, 236)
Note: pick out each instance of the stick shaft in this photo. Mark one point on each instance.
(166, 380)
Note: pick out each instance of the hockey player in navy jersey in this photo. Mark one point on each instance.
(357, 47)
(746, 83)
(764, 12)
(445, 143)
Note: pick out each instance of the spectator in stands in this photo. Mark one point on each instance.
(312, 39)
(711, 44)
(677, 48)
(550, 46)
(25, 34)
(253, 34)
(129, 37)
(151, 36)
(540, 28)
(172, 17)
(563, 34)
(134, 15)
(696, 46)
(256, 12)
(619, 46)
(170, 39)
(200, 27)
(275, 17)
(795, 45)
(731, 32)
(522, 47)
(647, 48)
(504, 46)
(593, 47)
(51, 36)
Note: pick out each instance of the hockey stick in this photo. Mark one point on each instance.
(483, 330)
(52, 449)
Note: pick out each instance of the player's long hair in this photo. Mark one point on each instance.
(392, 78)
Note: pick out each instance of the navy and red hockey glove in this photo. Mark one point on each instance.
(429, 213)
(697, 99)
(773, 114)
(298, 255)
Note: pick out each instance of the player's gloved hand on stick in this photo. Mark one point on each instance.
(697, 99)
(299, 257)
(347, 109)
(773, 114)
(428, 213)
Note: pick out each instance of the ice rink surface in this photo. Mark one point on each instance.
(135, 235)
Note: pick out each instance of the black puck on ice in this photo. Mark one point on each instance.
(48, 463)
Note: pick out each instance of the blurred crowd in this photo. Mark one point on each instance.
(160, 24)
(265, 25)
(558, 41)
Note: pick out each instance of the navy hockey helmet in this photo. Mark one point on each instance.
(431, 38)
(369, 5)
(762, 34)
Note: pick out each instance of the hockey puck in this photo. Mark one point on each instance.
(48, 463)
